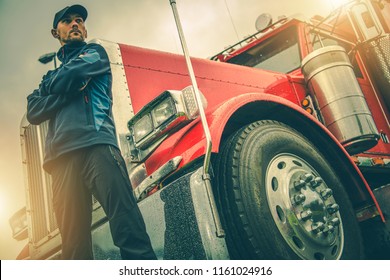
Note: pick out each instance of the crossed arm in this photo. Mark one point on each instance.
(61, 86)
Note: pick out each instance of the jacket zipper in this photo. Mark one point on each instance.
(88, 110)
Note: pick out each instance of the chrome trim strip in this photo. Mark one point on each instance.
(157, 176)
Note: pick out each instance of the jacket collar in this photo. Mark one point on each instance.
(67, 52)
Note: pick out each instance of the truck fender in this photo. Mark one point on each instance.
(247, 108)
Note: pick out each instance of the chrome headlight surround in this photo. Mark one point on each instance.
(164, 115)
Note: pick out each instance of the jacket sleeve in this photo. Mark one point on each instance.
(41, 107)
(75, 74)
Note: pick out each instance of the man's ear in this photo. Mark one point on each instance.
(86, 34)
(54, 33)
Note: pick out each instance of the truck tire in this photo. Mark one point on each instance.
(279, 198)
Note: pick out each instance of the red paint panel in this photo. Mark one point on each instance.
(150, 72)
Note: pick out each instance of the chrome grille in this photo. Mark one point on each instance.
(377, 54)
(381, 49)
(52, 220)
(39, 184)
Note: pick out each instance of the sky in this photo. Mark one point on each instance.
(209, 27)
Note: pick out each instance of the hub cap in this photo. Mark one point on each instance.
(304, 209)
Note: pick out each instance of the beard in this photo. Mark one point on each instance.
(71, 39)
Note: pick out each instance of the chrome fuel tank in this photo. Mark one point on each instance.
(330, 77)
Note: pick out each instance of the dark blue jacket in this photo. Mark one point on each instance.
(76, 98)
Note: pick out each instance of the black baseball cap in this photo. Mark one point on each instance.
(76, 9)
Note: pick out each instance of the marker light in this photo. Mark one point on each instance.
(309, 110)
(305, 102)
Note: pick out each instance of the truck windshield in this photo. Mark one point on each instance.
(279, 53)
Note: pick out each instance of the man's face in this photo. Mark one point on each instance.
(70, 30)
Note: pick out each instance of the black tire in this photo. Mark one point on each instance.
(261, 209)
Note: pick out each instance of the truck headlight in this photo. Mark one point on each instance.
(164, 115)
(142, 127)
(163, 111)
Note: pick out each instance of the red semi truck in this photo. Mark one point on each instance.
(292, 161)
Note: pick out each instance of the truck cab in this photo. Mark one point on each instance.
(362, 30)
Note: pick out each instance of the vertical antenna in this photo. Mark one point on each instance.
(231, 20)
(206, 176)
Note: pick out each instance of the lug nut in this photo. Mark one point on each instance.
(306, 215)
(318, 227)
(325, 194)
(328, 229)
(299, 198)
(335, 222)
(332, 208)
(298, 185)
(307, 177)
(316, 182)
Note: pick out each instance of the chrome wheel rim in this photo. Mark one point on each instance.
(304, 208)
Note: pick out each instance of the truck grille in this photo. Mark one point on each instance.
(40, 212)
(40, 209)
(381, 48)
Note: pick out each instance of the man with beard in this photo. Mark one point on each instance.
(81, 151)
